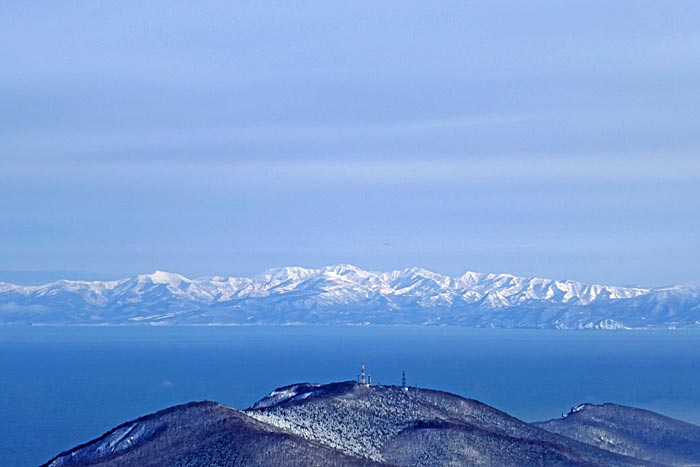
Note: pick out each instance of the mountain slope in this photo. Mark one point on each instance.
(420, 427)
(630, 431)
(338, 424)
(201, 434)
(345, 294)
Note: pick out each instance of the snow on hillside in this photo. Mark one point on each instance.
(345, 294)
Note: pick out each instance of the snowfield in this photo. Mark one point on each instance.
(345, 294)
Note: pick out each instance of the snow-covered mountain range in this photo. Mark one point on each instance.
(345, 294)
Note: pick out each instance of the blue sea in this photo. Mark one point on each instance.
(61, 386)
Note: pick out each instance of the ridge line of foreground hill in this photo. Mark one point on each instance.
(352, 424)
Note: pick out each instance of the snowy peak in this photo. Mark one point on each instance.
(347, 294)
(162, 277)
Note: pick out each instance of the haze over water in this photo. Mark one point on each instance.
(64, 386)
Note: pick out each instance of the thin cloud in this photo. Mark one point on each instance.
(278, 174)
(57, 143)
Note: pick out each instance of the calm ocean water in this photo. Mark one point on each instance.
(64, 386)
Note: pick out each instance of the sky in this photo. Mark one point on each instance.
(545, 138)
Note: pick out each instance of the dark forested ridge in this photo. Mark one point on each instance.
(352, 424)
(632, 432)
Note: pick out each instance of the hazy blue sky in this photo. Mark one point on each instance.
(557, 139)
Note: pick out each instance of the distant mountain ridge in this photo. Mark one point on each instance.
(345, 294)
